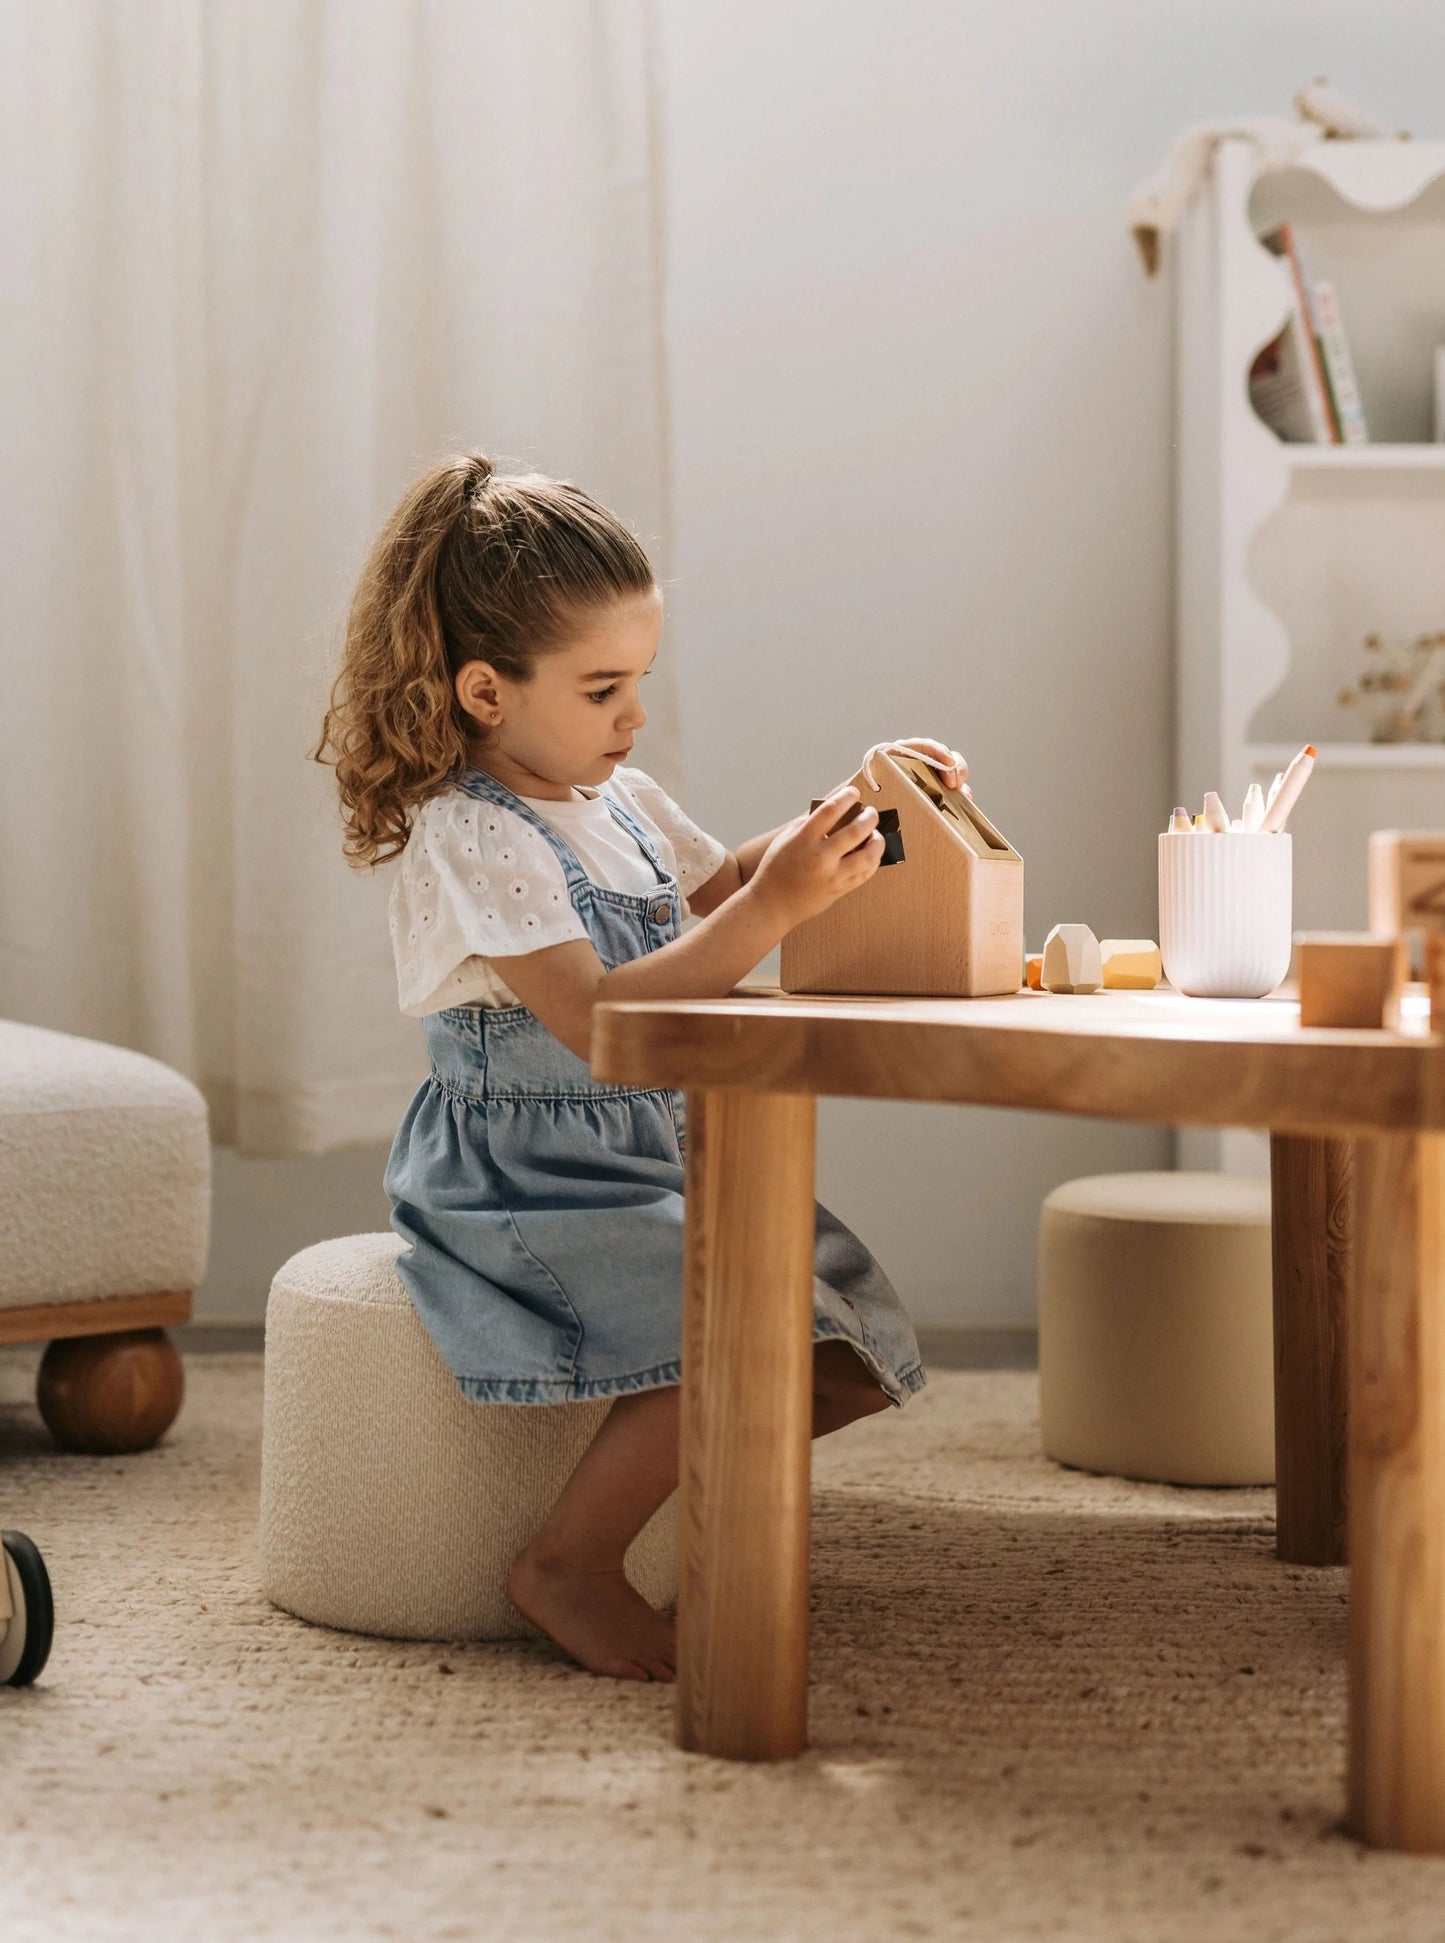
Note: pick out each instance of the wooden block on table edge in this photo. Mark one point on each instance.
(1350, 979)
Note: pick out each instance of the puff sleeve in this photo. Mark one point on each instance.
(475, 881)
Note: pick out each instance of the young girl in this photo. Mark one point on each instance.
(488, 698)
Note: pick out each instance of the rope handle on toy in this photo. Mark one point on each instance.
(916, 755)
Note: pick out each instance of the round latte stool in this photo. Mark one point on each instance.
(389, 1503)
(1156, 1327)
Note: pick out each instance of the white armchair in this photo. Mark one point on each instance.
(105, 1203)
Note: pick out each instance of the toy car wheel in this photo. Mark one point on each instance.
(25, 1638)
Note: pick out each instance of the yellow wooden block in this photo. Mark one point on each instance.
(1130, 964)
(1034, 971)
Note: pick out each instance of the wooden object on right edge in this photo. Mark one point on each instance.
(1407, 894)
(946, 922)
(1350, 979)
(1407, 881)
(1435, 978)
(1396, 1485)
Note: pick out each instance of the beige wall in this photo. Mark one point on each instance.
(921, 436)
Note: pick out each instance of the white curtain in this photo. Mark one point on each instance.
(263, 261)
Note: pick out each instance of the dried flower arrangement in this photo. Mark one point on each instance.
(1402, 689)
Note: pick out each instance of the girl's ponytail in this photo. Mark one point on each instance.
(472, 565)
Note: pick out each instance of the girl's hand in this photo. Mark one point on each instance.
(955, 775)
(814, 860)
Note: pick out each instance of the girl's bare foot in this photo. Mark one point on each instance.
(597, 1617)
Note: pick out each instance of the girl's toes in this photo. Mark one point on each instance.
(621, 1670)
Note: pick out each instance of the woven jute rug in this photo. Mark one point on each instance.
(1044, 1704)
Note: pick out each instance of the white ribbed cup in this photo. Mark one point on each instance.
(1225, 911)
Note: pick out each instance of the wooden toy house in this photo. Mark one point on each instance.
(945, 921)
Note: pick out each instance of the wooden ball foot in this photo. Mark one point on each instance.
(103, 1394)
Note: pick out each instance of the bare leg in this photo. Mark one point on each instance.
(843, 1388)
(569, 1579)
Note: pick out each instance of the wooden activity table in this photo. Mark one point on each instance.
(1357, 1145)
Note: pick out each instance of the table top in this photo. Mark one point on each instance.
(1143, 1056)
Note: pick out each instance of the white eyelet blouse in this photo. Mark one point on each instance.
(478, 883)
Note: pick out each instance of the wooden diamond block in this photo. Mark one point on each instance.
(1071, 960)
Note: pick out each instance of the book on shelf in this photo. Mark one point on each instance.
(1349, 413)
(1317, 355)
(1288, 386)
(1282, 390)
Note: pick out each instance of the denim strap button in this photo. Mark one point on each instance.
(661, 913)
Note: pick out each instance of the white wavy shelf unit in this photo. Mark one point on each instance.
(1288, 555)
(1365, 458)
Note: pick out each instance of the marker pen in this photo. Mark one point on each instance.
(1295, 778)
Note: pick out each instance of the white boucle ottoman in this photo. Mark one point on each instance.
(105, 1208)
(390, 1504)
(1156, 1327)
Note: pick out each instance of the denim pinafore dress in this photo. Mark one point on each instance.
(543, 1209)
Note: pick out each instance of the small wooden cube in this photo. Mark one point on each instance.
(1071, 960)
(1350, 978)
(1130, 964)
(1407, 881)
(1435, 978)
(1034, 971)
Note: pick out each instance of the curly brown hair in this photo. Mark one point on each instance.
(474, 565)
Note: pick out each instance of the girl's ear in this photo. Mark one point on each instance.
(476, 688)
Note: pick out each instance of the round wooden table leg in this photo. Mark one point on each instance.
(104, 1394)
(1397, 1495)
(747, 1418)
